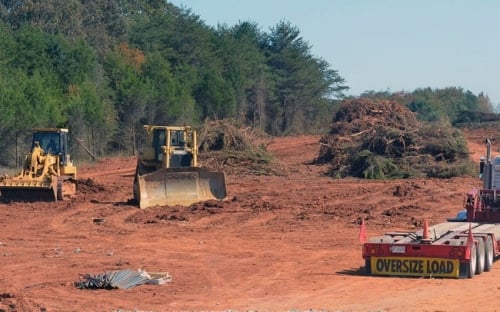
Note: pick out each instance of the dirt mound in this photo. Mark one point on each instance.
(176, 213)
(225, 147)
(11, 302)
(383, 139)
(89, 186)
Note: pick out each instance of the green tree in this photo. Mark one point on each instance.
(183, 44)
(72, 62)
(303, 83)
(171, 103)
(132, 93)
(445, 104)
(92, 120)
(245, 69)
(484, 103)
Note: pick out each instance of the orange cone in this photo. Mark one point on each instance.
(425, 235)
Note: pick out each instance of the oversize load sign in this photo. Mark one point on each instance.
(415, 266)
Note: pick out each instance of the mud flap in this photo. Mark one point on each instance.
(179, 186)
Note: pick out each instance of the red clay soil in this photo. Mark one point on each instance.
(277, 243)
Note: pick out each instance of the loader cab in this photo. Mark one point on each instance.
(53, 141)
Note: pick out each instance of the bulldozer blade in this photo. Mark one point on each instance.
(180, 186)
(29, 192)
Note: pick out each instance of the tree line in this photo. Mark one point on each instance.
(104, 68)
(447, 105)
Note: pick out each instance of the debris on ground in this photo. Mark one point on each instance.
(123, 279)
(98, 220)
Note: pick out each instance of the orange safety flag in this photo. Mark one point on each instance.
(362, 232)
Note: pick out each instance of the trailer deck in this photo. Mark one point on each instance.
(445, 251)
(462, 247)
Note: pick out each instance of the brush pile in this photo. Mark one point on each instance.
(379, 139)
(225, 147)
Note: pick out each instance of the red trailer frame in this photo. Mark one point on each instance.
(457, 248)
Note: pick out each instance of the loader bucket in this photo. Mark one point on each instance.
(179, 186)
(14, 189)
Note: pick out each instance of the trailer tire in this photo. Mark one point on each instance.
(368, 267)
(488, 252)
(480, 256)
(467, 270)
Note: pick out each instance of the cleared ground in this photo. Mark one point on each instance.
(277, 243)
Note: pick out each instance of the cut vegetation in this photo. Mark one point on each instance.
(378, 139)
(223, 146)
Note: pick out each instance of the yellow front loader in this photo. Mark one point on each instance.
(167, 171)
(48, 173)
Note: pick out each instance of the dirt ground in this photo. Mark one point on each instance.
(277, 243)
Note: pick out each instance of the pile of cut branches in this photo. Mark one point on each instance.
(225, 147)
(383, 139)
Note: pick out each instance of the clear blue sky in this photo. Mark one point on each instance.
(385, 44)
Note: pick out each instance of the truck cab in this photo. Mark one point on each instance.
(483, 205)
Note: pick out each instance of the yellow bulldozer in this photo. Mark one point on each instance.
(47, 174)
(168, 173)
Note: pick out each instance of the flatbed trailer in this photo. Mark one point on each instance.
(447, 251)
(459, 248)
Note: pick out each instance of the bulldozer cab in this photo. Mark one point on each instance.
(158, 141)
(177, 139)
(174, 147)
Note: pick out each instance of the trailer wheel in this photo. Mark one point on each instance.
(468, 269)
(368, 267)
(480, 256)
(488, 254)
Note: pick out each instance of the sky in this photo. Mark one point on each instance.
(384, 45)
